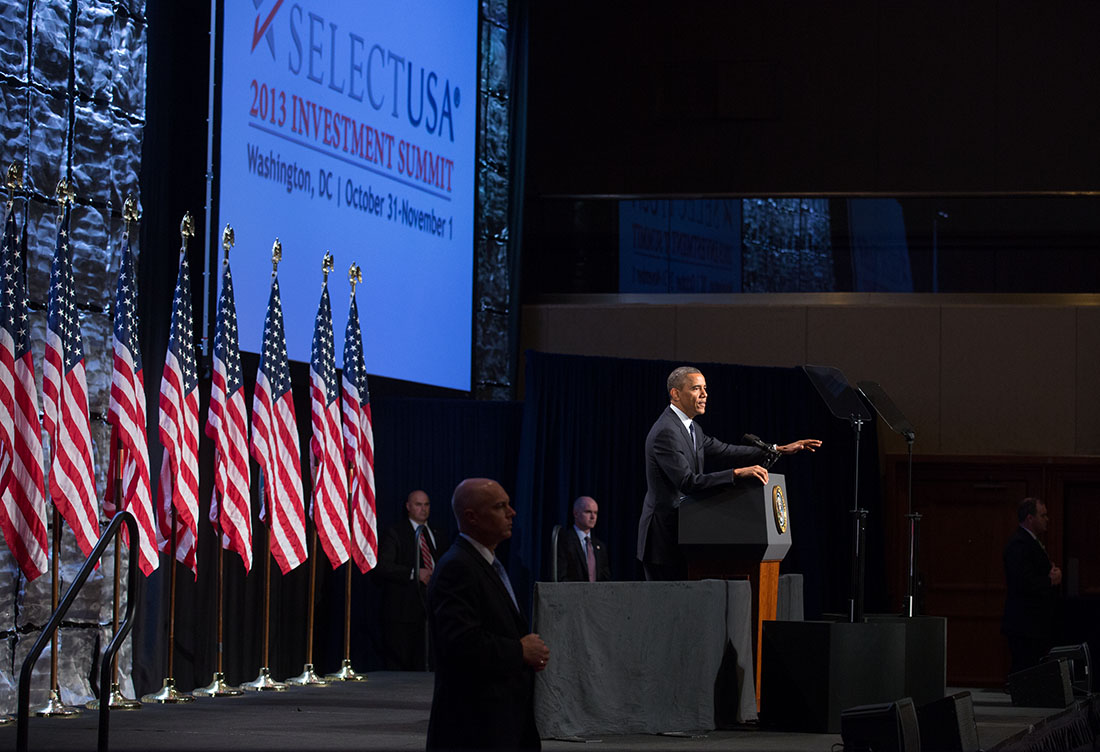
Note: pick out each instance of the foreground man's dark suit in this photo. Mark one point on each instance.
(1030, 600)
(572, 561)
(484, 691)
(673, 468)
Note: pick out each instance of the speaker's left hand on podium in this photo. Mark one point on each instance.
(810, 445)
(752, 471)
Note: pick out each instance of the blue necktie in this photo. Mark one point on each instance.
(504, 578)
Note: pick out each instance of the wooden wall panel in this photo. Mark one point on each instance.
(749, 335)
(1008, 380)
(1086, 405)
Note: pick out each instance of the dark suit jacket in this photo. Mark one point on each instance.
(484, 691)
(674, 469)
(573, 564)
(402, 595)
(1030, 599)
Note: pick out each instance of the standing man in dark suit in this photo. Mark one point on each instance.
(405, 568)
(1031, 588)
(582, 557)
(486, 657)
(675, 450)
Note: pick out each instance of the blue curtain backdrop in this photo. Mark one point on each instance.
(581, 430)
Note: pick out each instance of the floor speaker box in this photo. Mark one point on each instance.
(812, 670)
(1044, 686)
(948, 725)
(925, 655)
(886, 727)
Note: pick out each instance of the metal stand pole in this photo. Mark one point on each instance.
(264, 682)
(54, 707)
(167, 694)
(859, 537)
(218, 686)
(309, 677)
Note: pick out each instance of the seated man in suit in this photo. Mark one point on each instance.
(486, 657)
(405, 570)
(581, 556)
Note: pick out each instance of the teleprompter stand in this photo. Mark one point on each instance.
(893, 417)
(844, 403)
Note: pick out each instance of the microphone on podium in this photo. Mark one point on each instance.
(768, 449)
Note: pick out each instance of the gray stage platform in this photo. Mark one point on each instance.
(390, 712)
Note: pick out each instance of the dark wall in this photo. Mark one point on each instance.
(802, 96)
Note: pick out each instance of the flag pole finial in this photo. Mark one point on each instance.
(187, 231)
(130, 212)
(228, 239)
(14, 181)
(328, 264)
(276, 256)
(355, 276)
(66, 192)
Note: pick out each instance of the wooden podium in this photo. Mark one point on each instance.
(740, 532)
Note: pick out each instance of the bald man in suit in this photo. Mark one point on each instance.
(575, 544)
(486, 657)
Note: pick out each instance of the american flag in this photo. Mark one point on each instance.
(126, 414)
(275, 443)
(179, 429)
(227, 425)
(65, 393)
(330, 483)
(22, 494)
(359, 445)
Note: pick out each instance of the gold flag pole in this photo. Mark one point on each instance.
(54, 707)
(218, 686)
(117, 700)
(308, 677)
(346, 672)
(168, 695)
(264, 682)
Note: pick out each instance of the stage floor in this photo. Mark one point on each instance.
(389, 711)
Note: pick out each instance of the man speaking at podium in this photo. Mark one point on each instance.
(675, 450)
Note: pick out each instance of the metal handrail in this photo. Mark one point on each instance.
(122, 516)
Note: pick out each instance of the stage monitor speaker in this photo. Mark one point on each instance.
(1080, 668)
(887, 727)
(1044, 686)
(948, 725)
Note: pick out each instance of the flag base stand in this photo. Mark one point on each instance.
(167, 695)
(218, 688)
(54, 708)
(264, 683)
(116, 701)
(346, 673)
(308, 678)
